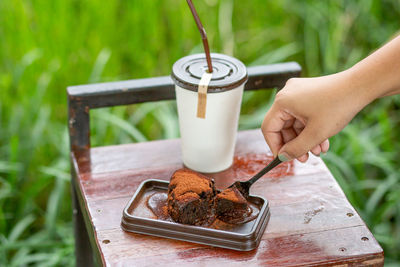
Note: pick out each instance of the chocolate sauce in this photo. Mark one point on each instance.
(157, 203)
(250, 164)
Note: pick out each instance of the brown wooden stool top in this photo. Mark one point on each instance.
(312, 222)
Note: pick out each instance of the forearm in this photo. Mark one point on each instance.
(378, 75)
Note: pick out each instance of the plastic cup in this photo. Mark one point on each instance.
(208, 144)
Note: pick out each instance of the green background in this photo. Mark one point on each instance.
(47, 45)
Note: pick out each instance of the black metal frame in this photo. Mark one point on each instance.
(82, 98)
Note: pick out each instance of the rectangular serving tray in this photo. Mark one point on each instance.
(138, 218)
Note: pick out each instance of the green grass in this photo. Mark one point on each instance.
(47, 45)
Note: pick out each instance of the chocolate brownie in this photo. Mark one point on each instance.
(190, 197)
(230, 205)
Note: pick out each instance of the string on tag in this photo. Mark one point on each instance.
(202, 95)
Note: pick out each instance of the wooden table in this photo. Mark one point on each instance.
(312, 222)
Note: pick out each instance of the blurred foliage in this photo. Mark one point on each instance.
(47, 45)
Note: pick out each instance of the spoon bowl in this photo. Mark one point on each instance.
(244, 187)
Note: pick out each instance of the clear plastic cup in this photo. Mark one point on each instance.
(208, 143)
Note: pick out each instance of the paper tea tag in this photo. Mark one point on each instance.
(202, 95)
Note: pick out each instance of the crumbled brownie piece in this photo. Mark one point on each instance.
(190, 197)
(230, 205)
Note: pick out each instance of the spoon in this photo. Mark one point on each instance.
(244, 187)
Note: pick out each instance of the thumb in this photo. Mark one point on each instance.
(302, 144)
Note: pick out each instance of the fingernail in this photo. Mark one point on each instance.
(283, 157)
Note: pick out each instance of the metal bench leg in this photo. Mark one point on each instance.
(83, 250)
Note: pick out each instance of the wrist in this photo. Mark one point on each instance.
(361, 85)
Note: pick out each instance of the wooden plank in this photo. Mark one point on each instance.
(150, 155)
(119, 184)
(283, 193)
(308, 216)
(340, 246)
(162, 88)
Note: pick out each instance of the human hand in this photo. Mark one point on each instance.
(307, 111)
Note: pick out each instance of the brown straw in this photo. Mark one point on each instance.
(203, 35)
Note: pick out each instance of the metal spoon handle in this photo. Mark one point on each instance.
(269, 167)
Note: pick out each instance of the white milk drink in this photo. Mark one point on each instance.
(208, 143)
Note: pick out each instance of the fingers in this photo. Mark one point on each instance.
(316, 150)
(325, 146)
(288, 135)
(303, 158)
(308, 139)
(298, 126)
(274, 122)
(274, 141)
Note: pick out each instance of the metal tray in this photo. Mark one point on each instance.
(138, 218)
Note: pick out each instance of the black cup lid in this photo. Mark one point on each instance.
(228, 72)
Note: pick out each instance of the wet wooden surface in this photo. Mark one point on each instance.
(312, 223)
